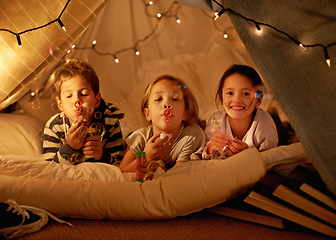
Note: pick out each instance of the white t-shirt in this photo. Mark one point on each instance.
(262, 134)
(190, 139)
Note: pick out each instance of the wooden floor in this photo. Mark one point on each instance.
(202, 225)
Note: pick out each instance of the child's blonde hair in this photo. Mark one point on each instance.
(190, 101)
(72, 68)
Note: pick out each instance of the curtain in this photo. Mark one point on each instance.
(299, 76)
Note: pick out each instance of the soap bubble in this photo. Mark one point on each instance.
(97, 129)
(54, 106)
(90, 110)
(83, 130)
(98, 115)
(36, 104)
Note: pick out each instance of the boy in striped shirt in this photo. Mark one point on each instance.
(86, 129)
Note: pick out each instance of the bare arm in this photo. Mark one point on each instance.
(128, 164)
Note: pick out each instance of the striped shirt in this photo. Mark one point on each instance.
(55, 147)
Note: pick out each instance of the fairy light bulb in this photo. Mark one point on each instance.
(73, 46)
(326, 55)
(225, 35)
(257, 26)
(150, 3)
(218, 14)
(18, 40)
(61, 24)
(116, 60)
(94, 42)
(137, 52)
(178, 20)
(158, 15)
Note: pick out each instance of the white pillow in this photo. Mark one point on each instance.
(20, 134)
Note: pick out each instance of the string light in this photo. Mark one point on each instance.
(218, 14)
(161, 15)
(18, 40)
(116, 60)
(258, 24)
(94, 42)
(61, 24)
(326, 55)
(58, 19)
(135, 47)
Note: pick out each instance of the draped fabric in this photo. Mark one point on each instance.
(299, 78)
(21, 67)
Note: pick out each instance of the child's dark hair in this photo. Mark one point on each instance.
(244, 70)
(72, 68)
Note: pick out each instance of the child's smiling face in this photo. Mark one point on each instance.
(239, 97)
(75, 89)
(166, 94)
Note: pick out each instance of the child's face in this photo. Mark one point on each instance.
(75, 89)
(239, 97)
(166, 94)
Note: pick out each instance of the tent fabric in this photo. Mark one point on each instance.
(41, 48)
(193, 50)
(299, 78)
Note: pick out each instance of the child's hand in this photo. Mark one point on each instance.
(218, 141)
(236, 146)
(141, 167)
(93, 147)
(75, 136)
(157, 148)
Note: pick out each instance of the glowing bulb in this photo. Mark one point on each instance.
(94, 42)
(150, 3)
(326, 55)
(225, 35)
(137, 52)
(216, 16)
(178, 20)
(68, 51)
(116, 60)
(61, 24)
(73, 46)
(32, 94)
(159, 15)
(302, 46)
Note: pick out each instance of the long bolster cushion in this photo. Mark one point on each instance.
(99, 191)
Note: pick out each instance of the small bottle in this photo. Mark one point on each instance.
(140, 158)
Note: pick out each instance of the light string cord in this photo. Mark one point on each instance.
(258, 24)
(158, 16)
(58, 19)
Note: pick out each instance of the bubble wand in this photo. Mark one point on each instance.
(168, 114)
(78, 105)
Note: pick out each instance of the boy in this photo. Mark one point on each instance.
(87, 129)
